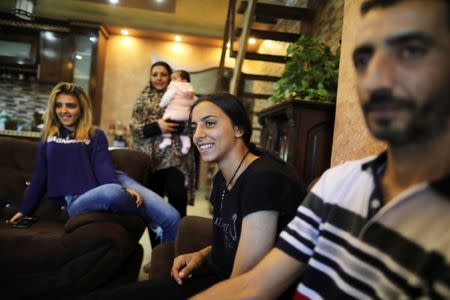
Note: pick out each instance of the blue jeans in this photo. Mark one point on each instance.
(162, 218)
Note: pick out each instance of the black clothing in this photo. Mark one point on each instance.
(264, 185)
(170, 182)
(151, 129)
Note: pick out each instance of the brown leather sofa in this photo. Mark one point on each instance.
(57, 256)
(194, 233)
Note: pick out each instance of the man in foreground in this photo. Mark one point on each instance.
(377, 227)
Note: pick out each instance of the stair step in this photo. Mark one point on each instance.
(259, 77)
(278, 11)
(255, 95)
(271, 35)
(261, 57)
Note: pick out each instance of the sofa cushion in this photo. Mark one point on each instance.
(133, 224)
(45, 259)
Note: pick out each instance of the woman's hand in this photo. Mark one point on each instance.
(136, 196)
(183, 265)
(16, 218)
(167, 127)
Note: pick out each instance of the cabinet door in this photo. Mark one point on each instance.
(56, 57)
(17, 48)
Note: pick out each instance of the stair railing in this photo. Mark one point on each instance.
(246, 26)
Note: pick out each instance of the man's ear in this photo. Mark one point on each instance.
(238, 132)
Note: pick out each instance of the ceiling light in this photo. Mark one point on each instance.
(251, 41)
(127, 41)
(49, 36)
(24, 9)
(114, 1)
(79, 57)
(177, 38)
(228, 45)
(159, 1)
(124, 32)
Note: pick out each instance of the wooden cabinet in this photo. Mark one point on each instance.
(301, 133)
(47, 51)
(56, 57)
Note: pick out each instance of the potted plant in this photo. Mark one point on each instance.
(310, 73)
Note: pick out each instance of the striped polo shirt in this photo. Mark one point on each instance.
(356, 248)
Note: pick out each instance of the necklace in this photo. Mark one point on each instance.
(237, 169)
(232, 178)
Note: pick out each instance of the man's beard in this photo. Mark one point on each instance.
(425, 122)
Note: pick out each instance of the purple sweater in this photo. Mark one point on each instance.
(66, 166)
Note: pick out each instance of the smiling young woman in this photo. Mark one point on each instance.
(74, 166)
(254, 196)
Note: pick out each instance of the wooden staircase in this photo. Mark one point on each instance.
(259, 20)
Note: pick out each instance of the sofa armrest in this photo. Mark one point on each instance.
(133, 224)
(194, 233)
(161, 261)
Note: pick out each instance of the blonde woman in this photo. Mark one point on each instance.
(74, 164)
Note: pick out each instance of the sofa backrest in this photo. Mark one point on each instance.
(135, 164)
(17, 160)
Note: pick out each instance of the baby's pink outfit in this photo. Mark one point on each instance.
(178, 100)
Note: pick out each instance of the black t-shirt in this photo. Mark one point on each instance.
(264, 185)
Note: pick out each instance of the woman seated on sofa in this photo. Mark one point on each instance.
(254, 196)
(74, 163)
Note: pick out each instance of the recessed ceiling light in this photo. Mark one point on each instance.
(124, 32)
(251, 41)
(177, 38)
(78, 56)
(114, 1)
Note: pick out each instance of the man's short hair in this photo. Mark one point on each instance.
(371, 4)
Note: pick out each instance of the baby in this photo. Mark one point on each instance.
(178, 100)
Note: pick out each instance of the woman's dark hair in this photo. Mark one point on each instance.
(233, 107)
(162, 64)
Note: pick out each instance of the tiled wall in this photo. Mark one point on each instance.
(327, 24)
(21, 99)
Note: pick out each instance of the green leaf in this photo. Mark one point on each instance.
(311, 73)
